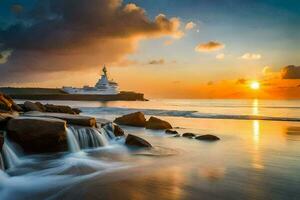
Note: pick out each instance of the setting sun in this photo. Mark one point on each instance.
(255, 85)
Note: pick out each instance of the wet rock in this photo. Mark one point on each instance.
(30, 106)
(188, 135)
(76, 110)
(69, 118)
(41, 106)
(134, 119)
(117, 130)
(14, 106)
(5, 105)
(1, 140)
(158, 124)
(133, 140)
(4, 118)
(59, 109)
(171, 132)
(37, 134)
(207, 137)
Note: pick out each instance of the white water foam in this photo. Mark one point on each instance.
(182, 113)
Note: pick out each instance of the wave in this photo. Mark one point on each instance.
(181, 113)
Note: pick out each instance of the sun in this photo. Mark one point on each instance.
(255, 85)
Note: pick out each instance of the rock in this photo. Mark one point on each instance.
(69, 118)
(207, 137)
(5, 105)
(14, 106)
(133, 140)
(117, 130)
(59, 109)
(1, 140)
(30, 106)
(37, 134)
(134, 119)
(76, 110)
(172, 132)
(158, 124)
(4, 118)
(188, 135)
(41, 106)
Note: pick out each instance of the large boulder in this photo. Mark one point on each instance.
(31, 106)
(207, 137)
(136, 141)
(59, 109)
(69, 118)
(37, 134)
(158, 124)
(134, 119)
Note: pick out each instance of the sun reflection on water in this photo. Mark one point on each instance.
(256, 159)
(255, 105)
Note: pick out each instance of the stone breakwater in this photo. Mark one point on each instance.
(58, 94)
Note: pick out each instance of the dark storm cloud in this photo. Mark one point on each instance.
(290, 72)
(60, 35)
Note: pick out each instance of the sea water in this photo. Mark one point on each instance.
(258, 156)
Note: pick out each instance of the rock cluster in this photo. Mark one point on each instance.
(37, 106)
(138, 119)
(42, 128)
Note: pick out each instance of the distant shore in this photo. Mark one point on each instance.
(58, 94)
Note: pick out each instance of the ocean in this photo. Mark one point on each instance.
(258, 156)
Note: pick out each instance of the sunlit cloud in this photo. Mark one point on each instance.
(266, 70)
(77, 35)
(220, 56)
(251, 56)
(241, 81)
(168, 42)
(209, 46)
(190, 26)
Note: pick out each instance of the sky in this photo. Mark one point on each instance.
(163, 48)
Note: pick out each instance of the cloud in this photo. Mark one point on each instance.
(220, 56)
(266, 70)
(210, 83)
(209, 46)
(156, 62)
(16, 8)
(241, 81)
(251, 56)
(290, 72)
(4, 55)
(65, 35)
(168, 42)
(190, 26)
